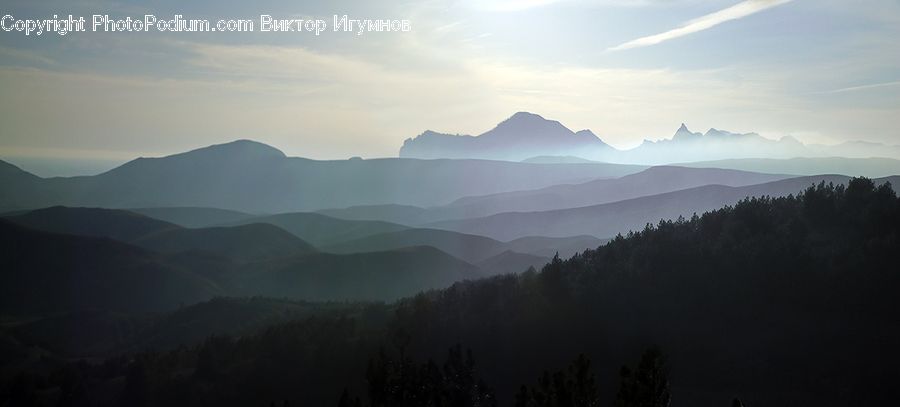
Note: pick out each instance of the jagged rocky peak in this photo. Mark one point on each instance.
(684, 133)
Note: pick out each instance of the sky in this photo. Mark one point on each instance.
(823, 71)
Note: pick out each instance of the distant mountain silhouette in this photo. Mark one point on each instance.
(43, 272)
(519, 137)
(687, 146)
(607, 220)
(529, 137)
(252, 177)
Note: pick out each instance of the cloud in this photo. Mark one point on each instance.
(866, 87)
(737, 11)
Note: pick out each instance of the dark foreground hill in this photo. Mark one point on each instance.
(44, 272)
(778, 301)
(382, 275)
(74, 263)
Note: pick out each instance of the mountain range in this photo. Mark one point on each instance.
(609, 219)
(253, 177)
(532, 138)
(123, 261)
(521, 136)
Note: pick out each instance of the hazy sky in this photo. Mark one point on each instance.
(824, 71)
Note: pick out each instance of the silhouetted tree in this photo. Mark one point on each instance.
(646, 386)
(572, 387)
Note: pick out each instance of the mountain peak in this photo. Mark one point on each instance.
(525, 115)
(239, 149)
(526, 119)
(684, 133)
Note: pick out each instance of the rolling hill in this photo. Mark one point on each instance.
(252, 177)
(164, 265)
(194, 217)
(251, 242)
(474, 249)
(384, 276)
(248, 242)
(857, 167)
(97, 222)
(471, 248)
(321, 230)
(510, 262)
(608, 220)
(43, 272)
(652, 181)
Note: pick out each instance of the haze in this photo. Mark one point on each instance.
(823, 72)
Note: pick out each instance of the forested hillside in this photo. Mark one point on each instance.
(775, 301)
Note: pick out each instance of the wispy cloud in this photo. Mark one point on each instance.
(866, 87)
(737, 11)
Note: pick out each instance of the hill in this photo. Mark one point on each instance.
(510, 262)
(549, 246)
(44, 272)
(322, 230)
(383, 276)
(194, 217)
(247, 242)
(176, 266)
(470, 248)
(652, 181)
(607, 220)
(251, 242)
(743, 302)
(400, 214)
(856, 167)
(98, 333)
(115, 224)
(252, 177)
